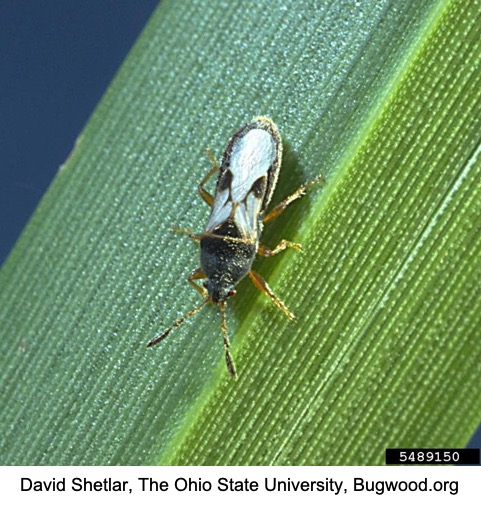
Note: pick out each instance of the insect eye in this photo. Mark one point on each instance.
(232, 292)
(205, 284)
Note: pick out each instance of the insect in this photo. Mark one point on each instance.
(248, 175)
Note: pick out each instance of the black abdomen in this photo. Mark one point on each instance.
(227, 255)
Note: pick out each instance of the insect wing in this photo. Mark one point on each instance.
(251, 157)
(247, 178)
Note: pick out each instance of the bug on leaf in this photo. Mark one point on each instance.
(247, 178)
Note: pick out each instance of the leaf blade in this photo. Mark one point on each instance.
(97, 272)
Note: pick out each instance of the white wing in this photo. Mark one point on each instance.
(251, 157)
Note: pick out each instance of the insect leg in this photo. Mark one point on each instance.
(206, 196)
(205, 234)
(228, 358)
(198, 273)
(281, 246)
(261, 284)
(187, 231)
(300, 191)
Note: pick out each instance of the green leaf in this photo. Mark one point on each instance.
(383, 99)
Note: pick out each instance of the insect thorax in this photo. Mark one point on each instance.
(225, 258)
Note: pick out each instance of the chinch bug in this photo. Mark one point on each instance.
(247, 177)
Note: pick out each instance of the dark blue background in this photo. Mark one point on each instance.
(56, 60)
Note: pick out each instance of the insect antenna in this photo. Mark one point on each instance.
(228, 358)
(177, 323)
